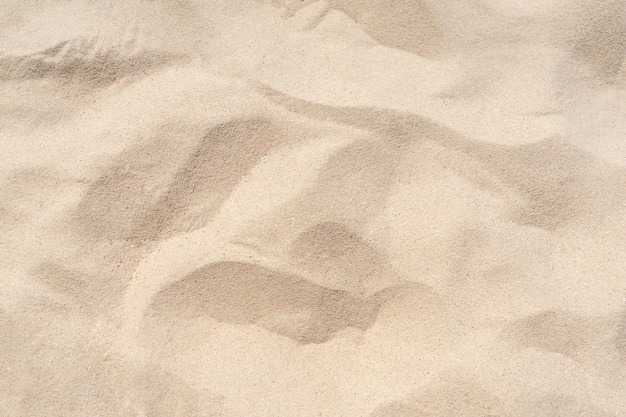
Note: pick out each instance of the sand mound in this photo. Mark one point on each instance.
(85, 61)
(150, 187)
(458, 397)
(248, 294)
(406, 25)
(548, 174)
(599, 38)
(583, 339)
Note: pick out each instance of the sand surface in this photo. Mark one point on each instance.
(385, 208)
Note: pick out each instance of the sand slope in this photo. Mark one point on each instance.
(313, 208)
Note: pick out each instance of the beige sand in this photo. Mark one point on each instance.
(378, 208)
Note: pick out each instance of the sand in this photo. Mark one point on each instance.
(313, 208)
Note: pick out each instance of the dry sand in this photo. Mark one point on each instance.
(378, 208)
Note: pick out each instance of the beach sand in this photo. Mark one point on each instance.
(313, 208)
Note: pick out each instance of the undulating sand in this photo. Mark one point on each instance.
(385, 208)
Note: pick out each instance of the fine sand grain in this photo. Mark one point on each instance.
(313, 208)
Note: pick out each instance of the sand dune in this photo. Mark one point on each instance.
(548, 174)
(82, 60)
(288, 305)
(312, 208)
(462, 396)
(406, 25)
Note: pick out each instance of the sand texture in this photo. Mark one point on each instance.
(298, 208)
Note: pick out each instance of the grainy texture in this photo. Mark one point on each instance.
(384, 208)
